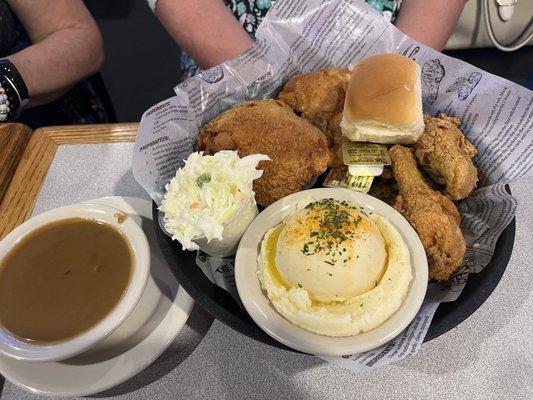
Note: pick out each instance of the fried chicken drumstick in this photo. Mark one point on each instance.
(434, 216)
(446, 155)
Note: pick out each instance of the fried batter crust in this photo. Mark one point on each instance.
(433, 215)
(297, 149)
(446, 155)
(319, 97)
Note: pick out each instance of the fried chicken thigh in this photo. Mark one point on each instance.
(434, 216)
(446, 155)
(298, 149)
(319, 97)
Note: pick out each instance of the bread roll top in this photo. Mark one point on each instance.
(385, 89)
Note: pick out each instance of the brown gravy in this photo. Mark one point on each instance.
(62, 279)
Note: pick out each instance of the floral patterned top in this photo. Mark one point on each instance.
(250, 14)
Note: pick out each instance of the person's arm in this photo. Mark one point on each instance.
(429, 22)
(66, 46)
(210, 34)
(205, 29)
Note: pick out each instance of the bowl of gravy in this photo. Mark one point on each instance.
(68, 279)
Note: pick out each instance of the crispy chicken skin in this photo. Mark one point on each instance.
(446, 155)
(434, 216)
(319, 97)
(298, 149)
(335, 156)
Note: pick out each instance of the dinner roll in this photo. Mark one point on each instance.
(384, 101)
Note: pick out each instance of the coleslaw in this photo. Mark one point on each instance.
(207, 193)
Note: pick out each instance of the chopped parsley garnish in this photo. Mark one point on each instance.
(337, 224)
(204, 178)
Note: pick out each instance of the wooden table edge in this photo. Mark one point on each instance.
(13, 140)
(25, 186)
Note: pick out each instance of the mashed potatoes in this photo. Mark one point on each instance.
(333, 270)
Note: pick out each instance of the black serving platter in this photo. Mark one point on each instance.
(223, 307)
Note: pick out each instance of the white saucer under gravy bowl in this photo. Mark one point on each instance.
(20, 349)
(138, 342)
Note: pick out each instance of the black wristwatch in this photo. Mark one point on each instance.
(13, 92)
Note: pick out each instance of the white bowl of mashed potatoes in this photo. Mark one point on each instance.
(331, 272)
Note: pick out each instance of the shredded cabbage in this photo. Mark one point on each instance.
(207, 193)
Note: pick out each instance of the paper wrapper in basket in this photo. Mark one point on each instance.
(301, 36)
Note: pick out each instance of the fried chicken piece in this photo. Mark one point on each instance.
(433, 215)
(384, 188)
(298, 149)
(335, 156)
(319, 97)
(446, 155)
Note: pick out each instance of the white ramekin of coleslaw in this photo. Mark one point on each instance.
(210, 202)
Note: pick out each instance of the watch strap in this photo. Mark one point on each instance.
(13, 92)
(11, 72)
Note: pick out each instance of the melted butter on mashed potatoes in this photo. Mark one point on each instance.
(334, 270)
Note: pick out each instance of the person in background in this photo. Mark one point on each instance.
(213, 31)
(47, 48)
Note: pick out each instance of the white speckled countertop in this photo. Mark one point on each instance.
(489, 356)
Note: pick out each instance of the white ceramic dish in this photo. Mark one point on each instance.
(233, 231)
(265, 315)
(12, 347)
(154, 324)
